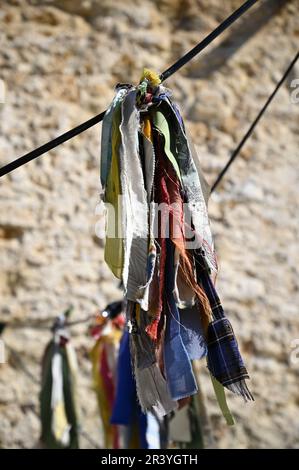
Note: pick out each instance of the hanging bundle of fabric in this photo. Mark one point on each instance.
(58, 410)
(159, 243)
(107, 331)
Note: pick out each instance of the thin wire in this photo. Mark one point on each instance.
(208, 39)
(89, 439)
(237, 150)
(80, 321)
(40, 326)
(16, 356)
(96, 119)
(50, 145)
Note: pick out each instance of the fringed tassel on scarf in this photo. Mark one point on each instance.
(223, 359)
(240, 388)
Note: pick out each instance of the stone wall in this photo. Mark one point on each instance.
(59, 61)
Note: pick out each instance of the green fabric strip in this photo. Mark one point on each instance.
(161, 124)
(220, 395)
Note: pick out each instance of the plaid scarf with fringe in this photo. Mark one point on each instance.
(224, 359)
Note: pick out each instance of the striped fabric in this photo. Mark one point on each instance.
(224, 359)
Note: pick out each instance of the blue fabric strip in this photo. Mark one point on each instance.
(179, 373)
(126, 410)
(125, 397)
(191, 332)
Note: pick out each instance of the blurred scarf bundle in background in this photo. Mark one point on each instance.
(125, 426)
(107, 331)
(159, 243)
(59, 414)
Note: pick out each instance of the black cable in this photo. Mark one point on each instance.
(253, 125)
(112, 310)
(40, 326)
(96, 119)
(50, 145)
(89, 439)
(17, 357)
(208, 39)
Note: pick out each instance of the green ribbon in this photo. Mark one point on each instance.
(161, 124)
(221, 398)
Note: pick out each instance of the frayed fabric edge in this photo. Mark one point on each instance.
(152, 390)
(240, 388)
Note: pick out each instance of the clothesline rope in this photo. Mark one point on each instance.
(39, 325)
(239, 147)
(49, 322)
(98, 118)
